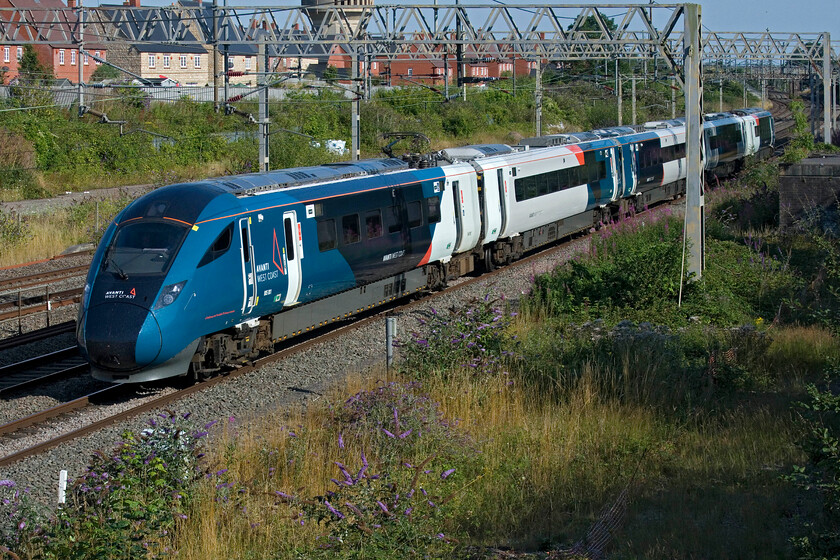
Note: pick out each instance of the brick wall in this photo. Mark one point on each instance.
(810, 184)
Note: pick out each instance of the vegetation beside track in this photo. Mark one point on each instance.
(708, 412)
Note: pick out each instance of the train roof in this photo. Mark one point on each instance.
(252, 183)
(558, 139)
(467, 153)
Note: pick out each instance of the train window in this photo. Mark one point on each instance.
(290, 239)
(433, 207)
(327, 239)
(373, 224)
(350, 227)
(246, 245)
(392, 217)
(219, 246)
(415, 214)
(145, 247)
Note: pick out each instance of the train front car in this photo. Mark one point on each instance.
(131, 325)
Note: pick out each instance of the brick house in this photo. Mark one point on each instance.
(152, 58)
(60, 55)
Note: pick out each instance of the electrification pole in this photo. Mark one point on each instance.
(262, 60)
(827, 87)
(694, 211)
(81, 59)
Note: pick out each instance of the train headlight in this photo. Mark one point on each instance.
(169, 294)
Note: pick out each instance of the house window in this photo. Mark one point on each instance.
(183, 61)
(166, 58)
(87, 62)
(197, 61)
(19, 53)
(61, 57)
(97, 56)
(230, 63)
(72, 58)
(5, 54)
(151, 61)
(247, 63)
(374, 65)
(410, 72)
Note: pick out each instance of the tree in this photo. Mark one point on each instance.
(105, 72)
(30, 70)
(591, 29)
(32, 77)
(330, 73)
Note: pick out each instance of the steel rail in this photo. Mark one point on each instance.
(38, 304)
(50, 413)
(51, 366)
(42, 278)
(36, 335)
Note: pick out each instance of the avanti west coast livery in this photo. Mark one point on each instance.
(195, 277)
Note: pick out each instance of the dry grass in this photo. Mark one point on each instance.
(48, 235)
(548, 461)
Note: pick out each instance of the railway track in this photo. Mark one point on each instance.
(48, 367)
(42, 278)
(37, 335)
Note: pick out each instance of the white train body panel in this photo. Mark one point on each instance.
(462, 183)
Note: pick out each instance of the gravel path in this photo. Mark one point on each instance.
(294, 380)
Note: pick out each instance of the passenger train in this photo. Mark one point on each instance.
(196, 277)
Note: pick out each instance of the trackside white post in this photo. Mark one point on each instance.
(62, 486)
(390, 334)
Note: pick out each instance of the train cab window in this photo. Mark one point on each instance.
(433, 207)
(373, 224)
(415, 214)
(219, 246)
(327, 239)
(145, 247)
(350, 229)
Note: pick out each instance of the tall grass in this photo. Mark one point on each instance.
(30, 237)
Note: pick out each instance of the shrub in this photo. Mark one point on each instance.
(473, 336)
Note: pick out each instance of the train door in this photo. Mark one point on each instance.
(615, 157)
(458, 197)
(500, 176)
(294, 252)
(249, 276)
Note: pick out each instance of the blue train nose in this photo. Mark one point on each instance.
(121, 336)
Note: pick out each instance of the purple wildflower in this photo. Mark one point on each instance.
(209, 425)
(340, 441)
(284, 495)
(333, 510)
(405, 434)
(382, 506)
(389, 434)
(221, 472)
(446, 473)
(7, 483)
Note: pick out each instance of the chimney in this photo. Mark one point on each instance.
(71, 3)
(132, 3)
